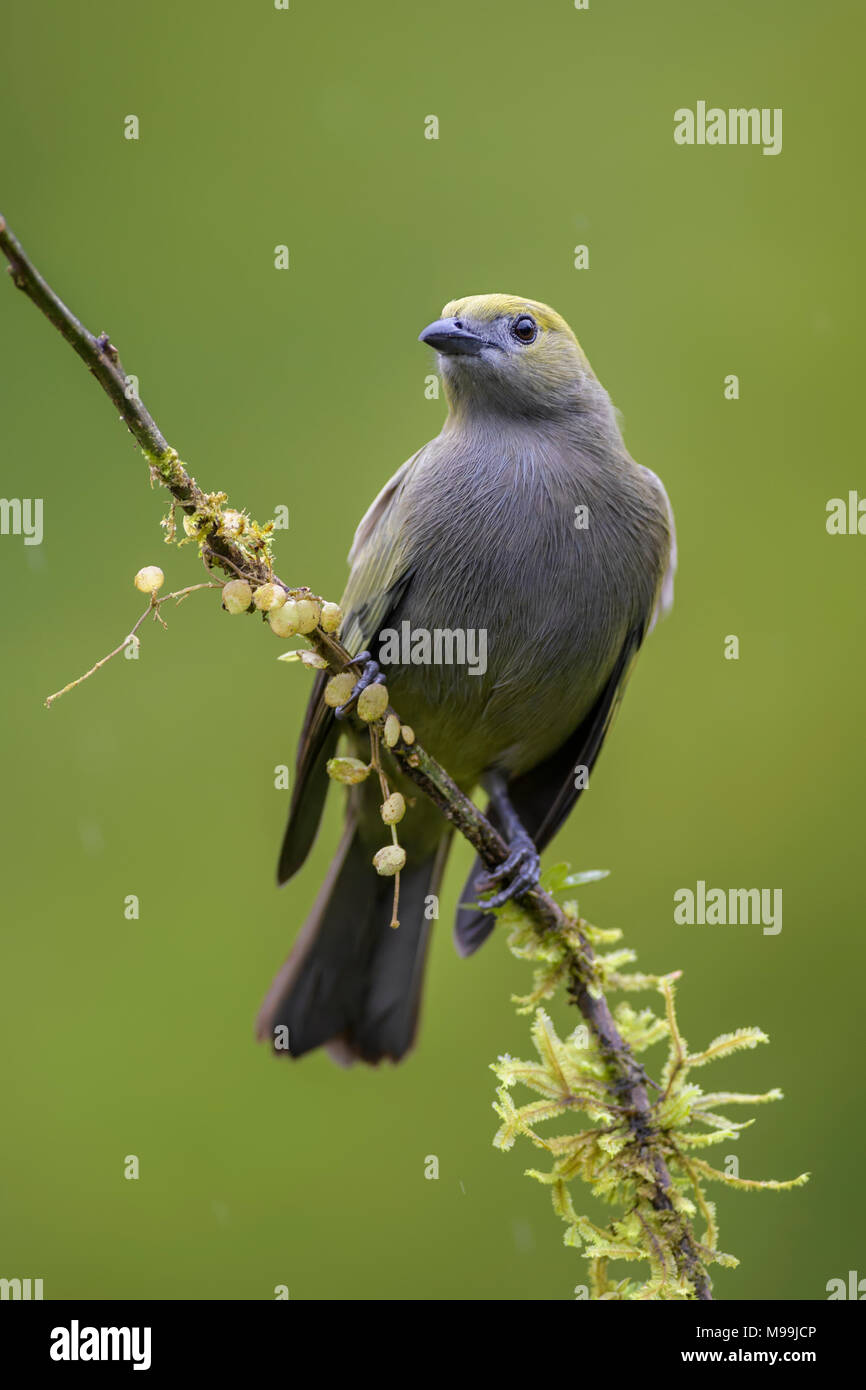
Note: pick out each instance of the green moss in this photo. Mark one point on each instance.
(614, 1150)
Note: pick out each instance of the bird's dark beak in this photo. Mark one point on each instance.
(452, 337)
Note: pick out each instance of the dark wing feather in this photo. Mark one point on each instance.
(319, 736)
(316, 745)
(544, 796)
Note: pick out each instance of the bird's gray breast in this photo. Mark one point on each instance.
(533, 559)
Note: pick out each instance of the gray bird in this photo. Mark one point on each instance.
(524, 520)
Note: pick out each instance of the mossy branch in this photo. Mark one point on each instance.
(617, 1094)
(620, 1161)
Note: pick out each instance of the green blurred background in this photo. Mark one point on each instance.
(306, 388)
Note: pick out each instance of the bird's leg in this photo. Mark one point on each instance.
(370, 675)
(523, 863)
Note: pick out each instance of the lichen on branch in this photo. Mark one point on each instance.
(617, 1151)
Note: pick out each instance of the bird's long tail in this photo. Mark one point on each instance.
(352, 982)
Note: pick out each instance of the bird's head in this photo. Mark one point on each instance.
(502, 353)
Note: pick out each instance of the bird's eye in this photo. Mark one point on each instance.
(524, 329)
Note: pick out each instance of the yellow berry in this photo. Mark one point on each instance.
(408, 733)
(392, 730)
(338, 690)
(268, 596)
(372, 703)
(389, 860)
(237, 596)
(149, 579)
(349, 770)
(284, 620)
(393, 809)
(308, 615)
(332, 616)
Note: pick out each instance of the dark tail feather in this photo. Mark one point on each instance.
(472, 926)
(353, 982)
(308, 798)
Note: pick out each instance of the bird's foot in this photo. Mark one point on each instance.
(371, 674)
(523, 867)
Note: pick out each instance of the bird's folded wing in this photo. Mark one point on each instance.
(379, 563)
(544, 796)
(379, 576)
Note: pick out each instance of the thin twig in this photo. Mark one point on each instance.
(152, 608)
